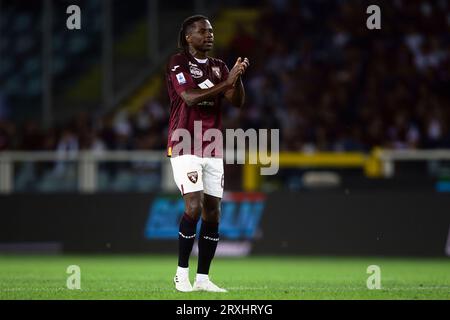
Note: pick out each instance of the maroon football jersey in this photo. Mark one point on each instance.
(185, 72)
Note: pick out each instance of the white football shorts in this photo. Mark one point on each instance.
(193, 173)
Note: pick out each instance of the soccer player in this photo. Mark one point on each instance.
(196, 84)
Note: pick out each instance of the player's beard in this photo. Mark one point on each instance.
(204, 47)
(208, 46)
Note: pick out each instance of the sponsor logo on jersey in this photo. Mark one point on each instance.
(196, 72)
(216, 71)
(175, 67)
(180, 78)
(193, 176)
(206, 84)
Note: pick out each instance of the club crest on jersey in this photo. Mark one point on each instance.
(193, 176)
(216, 71)
(196, 72)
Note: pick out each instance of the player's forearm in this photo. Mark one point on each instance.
(236, 95)
(195, 96)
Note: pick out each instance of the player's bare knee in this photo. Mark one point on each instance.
(194, 208)
(211, 214)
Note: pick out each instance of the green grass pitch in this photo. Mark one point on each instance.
(266, 278)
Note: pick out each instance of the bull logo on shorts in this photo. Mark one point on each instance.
(193, 176)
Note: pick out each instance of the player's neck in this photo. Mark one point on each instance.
(197, 54)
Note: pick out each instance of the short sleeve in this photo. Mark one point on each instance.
(178, 71)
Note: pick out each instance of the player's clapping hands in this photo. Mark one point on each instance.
(238, 69)
(243, 64)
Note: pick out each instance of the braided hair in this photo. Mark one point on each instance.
(185, 27)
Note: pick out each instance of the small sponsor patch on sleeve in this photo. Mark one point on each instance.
(180, 78)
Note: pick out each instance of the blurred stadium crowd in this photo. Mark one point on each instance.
(317, 73)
